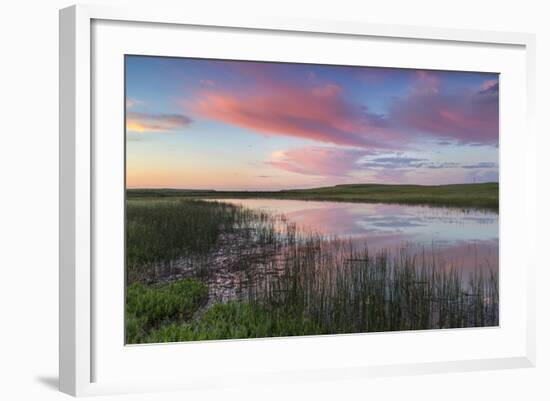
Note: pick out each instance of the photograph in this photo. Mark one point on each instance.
(275, 199)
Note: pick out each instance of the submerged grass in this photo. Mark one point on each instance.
(371, 297)
(349, 291)
(311, 285)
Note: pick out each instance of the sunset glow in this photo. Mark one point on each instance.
(242, 125)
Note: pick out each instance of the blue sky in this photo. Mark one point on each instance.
(196, 123)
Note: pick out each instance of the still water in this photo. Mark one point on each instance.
(465, 239)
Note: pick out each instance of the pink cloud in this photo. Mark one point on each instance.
(319, 111)
(132, 102)
(490, 83)
(347, 165)
(467, 117)
(316, 112)
(318, 161)
(145, 122)
(425, 83)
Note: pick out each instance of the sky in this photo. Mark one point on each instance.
(247, 125)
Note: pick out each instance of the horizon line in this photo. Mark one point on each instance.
(301, 189)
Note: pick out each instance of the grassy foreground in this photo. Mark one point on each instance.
(385, 297)
(484, 196)
(310, 285)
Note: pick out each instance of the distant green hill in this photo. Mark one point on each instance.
(483, 196)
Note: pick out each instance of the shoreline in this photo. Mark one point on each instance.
(476, 196)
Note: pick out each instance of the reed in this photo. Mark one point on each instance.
(289, 281)
(345, 290)
(161, 231)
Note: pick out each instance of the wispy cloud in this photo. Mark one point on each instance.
(318, 112)
(318, 161)
(464, 116)
(399, 162)
(344, 162)
(482, 176)
(132, 102)
(480, 165)
(329, 124)
(321, 110)
(489, 86)
(146, 122)
(394, 162)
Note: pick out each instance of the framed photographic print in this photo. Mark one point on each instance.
(270, 200)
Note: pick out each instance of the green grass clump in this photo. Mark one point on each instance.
(237, 320)
(150, 307)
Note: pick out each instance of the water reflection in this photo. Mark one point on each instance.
(461, 238)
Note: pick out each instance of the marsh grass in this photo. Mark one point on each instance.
(148, 308)
(310, 284)
(349, 291)
(160, 231)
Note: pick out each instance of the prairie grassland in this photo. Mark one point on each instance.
(290, 282)
(479, 196)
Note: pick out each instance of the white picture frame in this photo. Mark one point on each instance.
(78, 370)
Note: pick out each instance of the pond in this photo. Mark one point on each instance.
(296, 267)
(465, 239)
